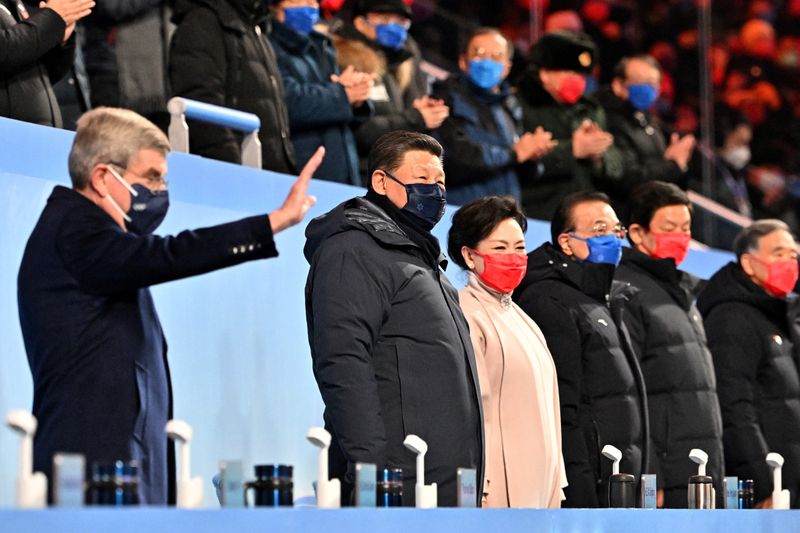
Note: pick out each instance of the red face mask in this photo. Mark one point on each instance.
(781, 277)
(673, 246)
(331, 5)
(571, 88)
(503, 272)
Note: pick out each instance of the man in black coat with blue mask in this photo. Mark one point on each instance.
(568, 292)
(94, 343)
(391, 349)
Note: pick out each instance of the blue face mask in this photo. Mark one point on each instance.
(391, 35)
(486, 73)
(642, 96)
(301, 19)
(603, 249)
(148, 208)
(426, 201)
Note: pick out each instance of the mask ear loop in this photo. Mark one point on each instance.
(130, 189)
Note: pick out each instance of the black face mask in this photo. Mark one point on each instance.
(426, 201)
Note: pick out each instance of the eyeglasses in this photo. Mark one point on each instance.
(388, 18)
(482, 53)
(601, 228)
(154, 183)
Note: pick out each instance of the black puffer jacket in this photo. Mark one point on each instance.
(642, 144)
(667, 334)
(32, 58)
(391, 351)
(754, 339)
(220, 55)
(599, 382)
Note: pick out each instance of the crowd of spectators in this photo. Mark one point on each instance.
(350, 71)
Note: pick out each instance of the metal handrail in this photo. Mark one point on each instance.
(182, 108)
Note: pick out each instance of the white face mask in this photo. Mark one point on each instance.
(737, 157)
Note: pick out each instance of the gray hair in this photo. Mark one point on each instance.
(747, 240)
(109, 134)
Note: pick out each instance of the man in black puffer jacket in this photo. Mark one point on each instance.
(567, 293)
(391, 349)
(220, 55)
(668, 337)
(754, 337)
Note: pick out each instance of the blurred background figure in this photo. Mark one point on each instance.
(484, 137)
(37, 49)
(221, 55)
(126, 49)
(323, 102)
(552, 95)
(376, 41)
(646, 151)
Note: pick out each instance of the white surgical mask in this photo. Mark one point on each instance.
(737, 157)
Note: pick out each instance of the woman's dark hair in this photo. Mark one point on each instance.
(389, 150)
(475, 220)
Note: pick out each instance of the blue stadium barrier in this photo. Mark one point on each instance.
(237, 338)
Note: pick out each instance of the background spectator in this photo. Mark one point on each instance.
(322, 102)
(483, 136)
(221, 55)
(36, 50)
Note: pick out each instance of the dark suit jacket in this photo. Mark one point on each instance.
(94, 342)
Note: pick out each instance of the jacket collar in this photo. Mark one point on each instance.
(680, 285)
(293, 41)
(592, 279)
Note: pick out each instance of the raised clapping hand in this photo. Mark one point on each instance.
(297, 202)
(357, 85)
(680, 149)
(534, 145)
(433, 111)
(71, 11)
(589, 141)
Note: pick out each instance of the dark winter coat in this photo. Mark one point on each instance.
(391, 351)
(98, 356)
(392, 103)
(754, 339)
(667, 334)
(561, 174)
(220, 55)
(600, 384)
(642, 144)
(478, 139)
(32, 58)
(319, 112)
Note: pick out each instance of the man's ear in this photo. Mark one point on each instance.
(636, 233)
(462, 63)
(97, 180)
(747, 264)
(563, 242)
(619, 89)
(379, 182)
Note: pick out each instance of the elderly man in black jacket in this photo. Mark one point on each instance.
(220, 54)
(36, 50)
(645, 151)
(95, 346)
(391, 348)
(567, 291)
(754, 336)
(668, 337)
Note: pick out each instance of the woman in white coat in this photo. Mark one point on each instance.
(524, 464)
